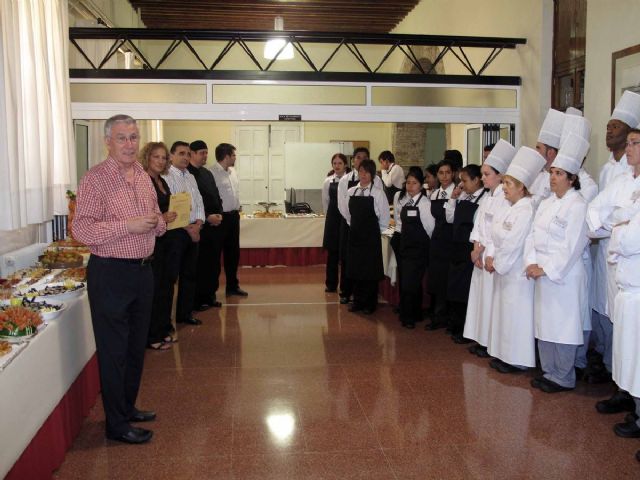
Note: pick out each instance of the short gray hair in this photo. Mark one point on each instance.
(126, 119)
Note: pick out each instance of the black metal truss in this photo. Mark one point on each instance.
(125, 38)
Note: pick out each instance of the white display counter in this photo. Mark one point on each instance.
(281, 232)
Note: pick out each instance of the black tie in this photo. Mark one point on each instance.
(410, 202)
(443, 194)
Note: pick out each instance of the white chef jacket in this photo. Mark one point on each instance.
(540, 188)
(556, 243)
(424, 206)
(588, 186)
(626, 324)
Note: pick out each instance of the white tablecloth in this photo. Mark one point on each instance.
(281, 232)
(36, 380)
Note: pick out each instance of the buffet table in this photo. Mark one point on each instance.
(47, 389)
(281, 241)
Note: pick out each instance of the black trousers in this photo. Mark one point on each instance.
(365, 293)
(160, 324)
(331, 277)
(208, 265)
(458, 312)
(182, 257)
(120, 297)
(231, 247)
(346, 283)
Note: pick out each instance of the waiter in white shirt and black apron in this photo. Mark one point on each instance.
(333, 219)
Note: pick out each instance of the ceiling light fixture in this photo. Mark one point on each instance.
(273, 46)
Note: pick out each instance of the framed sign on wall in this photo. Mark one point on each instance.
(625, 72)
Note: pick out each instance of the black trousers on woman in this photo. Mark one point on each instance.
(120, 297)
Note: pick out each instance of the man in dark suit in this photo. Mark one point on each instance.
(208, 269)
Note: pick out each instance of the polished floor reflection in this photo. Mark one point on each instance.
(286, 384)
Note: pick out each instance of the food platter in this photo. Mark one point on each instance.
(18, 324)
(59, 290)
(61, 259)
(48, 308)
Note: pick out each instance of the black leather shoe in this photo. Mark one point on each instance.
(207, 305)
(434, 326)
(482, 352)
(494, 363)
(597, 377)
(355, 308)
(344, 300)
(135, 435)
(409, 325)
(368, 311)
(549, 386)
(508, 368)
(620, 402)
(460, 340)
(630, 417)
(142, 416)
(537, 382)
(627, 430)
(330, 290)
(238, 292)
(638, 455)
(190, 321)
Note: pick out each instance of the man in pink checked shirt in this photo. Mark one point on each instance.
(118, 218)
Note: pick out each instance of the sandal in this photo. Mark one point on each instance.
(159, 346)
(170, 339)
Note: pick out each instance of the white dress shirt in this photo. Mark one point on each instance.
(424, 207)
(380, 203)
(394, 176)
(182, 181)
(450, 206)
(449, 190)
(228, 186)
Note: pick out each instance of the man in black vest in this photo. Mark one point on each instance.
(211, 234)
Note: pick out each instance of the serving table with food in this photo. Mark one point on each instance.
(48, 371)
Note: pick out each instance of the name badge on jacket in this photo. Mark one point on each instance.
(412, 213)
(507, 226)
(635, 195)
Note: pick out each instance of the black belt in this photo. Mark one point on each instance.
(130, 261)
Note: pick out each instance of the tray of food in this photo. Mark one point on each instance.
(18, 323)
(59, 290)
(48, 309)
(78, 274)
(61, 259)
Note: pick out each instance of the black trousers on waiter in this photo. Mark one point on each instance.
(208, 268)
(120, 296)
(231, 247)
(182, 257)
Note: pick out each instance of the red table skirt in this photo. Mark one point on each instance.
(291, 257)
(46, 451)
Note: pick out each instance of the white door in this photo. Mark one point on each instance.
(252, 164)
(280, 133)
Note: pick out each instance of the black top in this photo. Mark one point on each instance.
(163, 198)
(208, 189)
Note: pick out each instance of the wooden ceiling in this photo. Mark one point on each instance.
(375, 16)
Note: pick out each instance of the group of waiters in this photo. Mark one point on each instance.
(506, 248)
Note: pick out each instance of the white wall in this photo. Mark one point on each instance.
(612, 25)
(530, 19)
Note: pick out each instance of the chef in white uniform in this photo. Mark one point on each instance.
(624, 116)
(547, 145)
(614, 207)
(511, 336)
(492, 205)
(624, 250)
(553, 255)
(575, 123)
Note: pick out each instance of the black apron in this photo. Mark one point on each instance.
(461, 267)
(390, 192)
(439, 249)
(364, 260)
(414, 248)
(331, 239)
(344, 226)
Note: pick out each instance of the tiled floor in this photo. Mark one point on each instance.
(286, 384)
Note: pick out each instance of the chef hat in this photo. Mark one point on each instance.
(501, 155)
(628, 109)
(577, 125)
(551, 129)
(526, 165)
(573, 150)
(573, 111)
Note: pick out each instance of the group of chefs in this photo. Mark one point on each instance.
(507, 251)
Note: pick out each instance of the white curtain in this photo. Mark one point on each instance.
(37, 153)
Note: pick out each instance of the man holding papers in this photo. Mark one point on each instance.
(183, 233)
